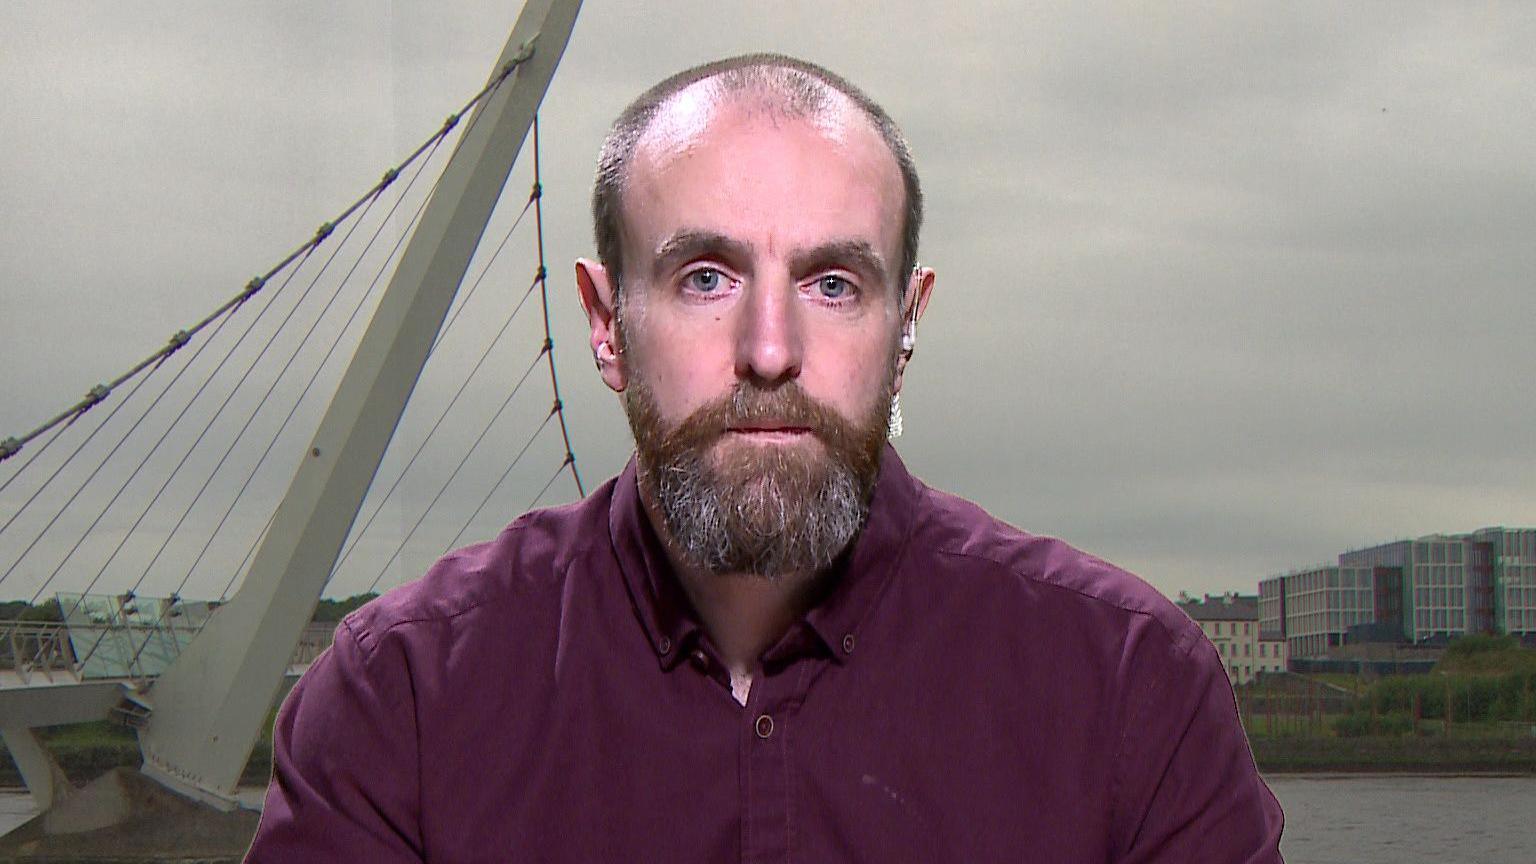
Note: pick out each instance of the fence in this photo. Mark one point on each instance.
(57, 652)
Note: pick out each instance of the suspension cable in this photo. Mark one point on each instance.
(78, 490)
(250, 326)
(442, 415)
(507, 472)
(219, 412)
(377, 276)
(356, 308)
(271, 388)
(165, 433)
(549, 342)
(552, 478)
(60, 468)
(463, 460)
(36, 454)
(442, 334)
(470, 294)
(13, 445)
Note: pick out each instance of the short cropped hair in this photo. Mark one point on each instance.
(791, 85)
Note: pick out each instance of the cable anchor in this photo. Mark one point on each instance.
(96, 394)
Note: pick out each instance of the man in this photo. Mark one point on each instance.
(765, 640)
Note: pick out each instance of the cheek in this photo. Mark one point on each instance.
(683, 371)
(850, 375)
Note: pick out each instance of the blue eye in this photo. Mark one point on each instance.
(834, 287)
(706, 281)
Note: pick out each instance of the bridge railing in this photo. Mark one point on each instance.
(36, 648)
(55, 652)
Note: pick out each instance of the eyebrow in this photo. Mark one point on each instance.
(687, 243)
(692, 243)
(856, 254)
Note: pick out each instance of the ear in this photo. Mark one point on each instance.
(597, 300)
(914, 304)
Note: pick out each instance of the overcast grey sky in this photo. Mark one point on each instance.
(1221, 293)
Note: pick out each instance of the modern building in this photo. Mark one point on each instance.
(1231, 622)
(1428, 589)
(1511, 561)
(1431, 587)
(1317, 606)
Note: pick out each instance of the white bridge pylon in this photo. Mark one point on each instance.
(199, 719)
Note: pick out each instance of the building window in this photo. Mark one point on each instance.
(1247, 649)
(1246, 625)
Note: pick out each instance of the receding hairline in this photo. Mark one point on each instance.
(785, 84)
(707, 98)
(692, 110)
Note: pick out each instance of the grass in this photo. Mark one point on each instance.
(1464, 751)
(1341, 680)
(87, 750)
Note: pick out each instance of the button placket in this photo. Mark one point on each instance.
(765, 828)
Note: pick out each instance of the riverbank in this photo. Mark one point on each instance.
(1405, 754)
(90, 751)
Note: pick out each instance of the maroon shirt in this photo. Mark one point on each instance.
(965, 692)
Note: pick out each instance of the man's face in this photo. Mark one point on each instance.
(760, 316)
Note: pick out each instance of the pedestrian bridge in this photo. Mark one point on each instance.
(185, 450)
(95, 665)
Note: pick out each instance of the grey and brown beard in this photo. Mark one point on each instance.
(767, 511)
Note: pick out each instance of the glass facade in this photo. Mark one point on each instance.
(1321, 605)
(1272, 608)
(1444, 592)
(1433, 587)
(1511, 554)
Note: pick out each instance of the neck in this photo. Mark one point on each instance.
(743, 613)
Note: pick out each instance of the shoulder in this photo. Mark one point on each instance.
(523, 568)
(1045, 574)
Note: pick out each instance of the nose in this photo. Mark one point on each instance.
(769, 341)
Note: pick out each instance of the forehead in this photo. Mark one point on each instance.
(744, 165)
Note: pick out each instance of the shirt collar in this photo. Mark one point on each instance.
(665, 612)
(866, 569)
(863, 571)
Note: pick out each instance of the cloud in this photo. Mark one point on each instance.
(1222, 291)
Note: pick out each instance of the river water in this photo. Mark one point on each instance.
(1339, 819)
(1353, 819)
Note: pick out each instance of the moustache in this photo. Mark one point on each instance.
(787, 405)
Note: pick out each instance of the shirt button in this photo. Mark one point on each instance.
(700, 659)
(764, 726)
(664, 645)
(848, 644)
